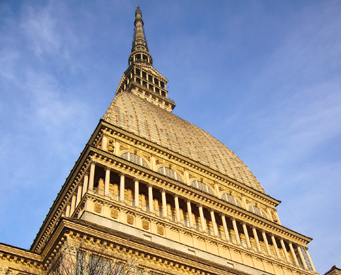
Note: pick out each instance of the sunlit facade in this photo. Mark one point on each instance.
(156, 191)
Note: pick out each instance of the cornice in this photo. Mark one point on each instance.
(187, 192)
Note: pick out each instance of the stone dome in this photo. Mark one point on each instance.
(142, 118)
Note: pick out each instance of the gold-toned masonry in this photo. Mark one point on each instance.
(155, 194)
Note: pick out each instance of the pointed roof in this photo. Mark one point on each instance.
(139, 43)
(139, 37)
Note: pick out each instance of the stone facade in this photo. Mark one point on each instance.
(156, 191)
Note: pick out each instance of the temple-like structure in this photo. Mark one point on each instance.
(158, 194)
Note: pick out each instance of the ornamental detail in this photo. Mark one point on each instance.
(98, 208)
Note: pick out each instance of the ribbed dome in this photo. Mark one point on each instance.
(144, 119)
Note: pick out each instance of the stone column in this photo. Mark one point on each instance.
(122, 183)
(226, 230)
(153, 163)
(266, 243)
(187, 177)
(164, 203)
(216, 189)
(202, 220)
(67, 211)
(136, 193)
(274, 243)
(177, 208)
(293, 254)
(214, 223)
(255, 235)
(235, 228)
(73, 202)
(285, 252)
(107, 181)
(117, 148)
(104, 143)
(302, 258)
(150, 198)
(85, 183)
(246, 233)
(92, 176)
(189, 211)
(79, 194)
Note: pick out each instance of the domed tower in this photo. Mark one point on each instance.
(153, 189)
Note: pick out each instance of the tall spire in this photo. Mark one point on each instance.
(139, 50)
(141, 78)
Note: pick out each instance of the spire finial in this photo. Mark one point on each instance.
(139, 48)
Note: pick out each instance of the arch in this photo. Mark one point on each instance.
(134, 158)
(201, 186)
(169, 173)
(229, 198)
(257, 211)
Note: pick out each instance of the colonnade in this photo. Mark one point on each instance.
(215, 224)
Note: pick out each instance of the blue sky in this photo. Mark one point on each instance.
(264, 77)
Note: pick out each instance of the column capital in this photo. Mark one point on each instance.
(149, 185)
(221, 214)
(162, 190)
(107, 168)
(188, 200)
(136, 179)
(121, 174)
(211, 210)
(175, 196)
(199, 205)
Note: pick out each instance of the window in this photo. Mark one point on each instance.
(257, 211)
(201, 186)
(306, 258)
(230, 199)
(169, 173)
(134, 158)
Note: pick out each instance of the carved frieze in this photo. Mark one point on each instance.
(160, 229)
(145, 225)
(111, 145)
(97, 208)
(114, 213)
(130, 219)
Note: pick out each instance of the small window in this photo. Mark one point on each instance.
(162, 85)
(257, 211)
(169, 173)
(156, 81)
(144, 75)
(230, 199)
(134, 158)
(201, 186)
(138, 72)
